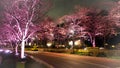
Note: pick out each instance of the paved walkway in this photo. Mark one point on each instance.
(0, 59)
(11, 61)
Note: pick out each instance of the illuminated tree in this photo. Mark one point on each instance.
(60, 34)
(99, 24)
(115, 17)
(46, 30)
(22, 17)
(7, 37)
(115, 13)
(74, 22)
(91, 22)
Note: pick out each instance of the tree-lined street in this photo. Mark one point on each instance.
(81, 33)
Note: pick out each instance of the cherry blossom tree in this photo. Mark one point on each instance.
(99, 24)
(46, 30)
(115, 13)
(21, 17)
(91, 22)
(60, 34)
(7, 37)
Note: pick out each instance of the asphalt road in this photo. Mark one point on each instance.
(58, 60)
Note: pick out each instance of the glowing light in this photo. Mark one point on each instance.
(106, 44)
(72, 31)
(78, 42)
(71, 43)
(113, 46)
(101, 48)
(85, 48)
(8, 51)
(29, 44)
(49, 44)
(1, 50)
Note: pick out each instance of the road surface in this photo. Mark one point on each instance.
(58, 60)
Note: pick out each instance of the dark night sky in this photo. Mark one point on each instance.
(62, 7)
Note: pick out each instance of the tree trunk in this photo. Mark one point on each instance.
(104, 41)
(23, 49)
(93, 43)
(11, 46)
(16, 49)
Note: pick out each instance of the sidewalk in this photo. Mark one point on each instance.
(10, 61)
